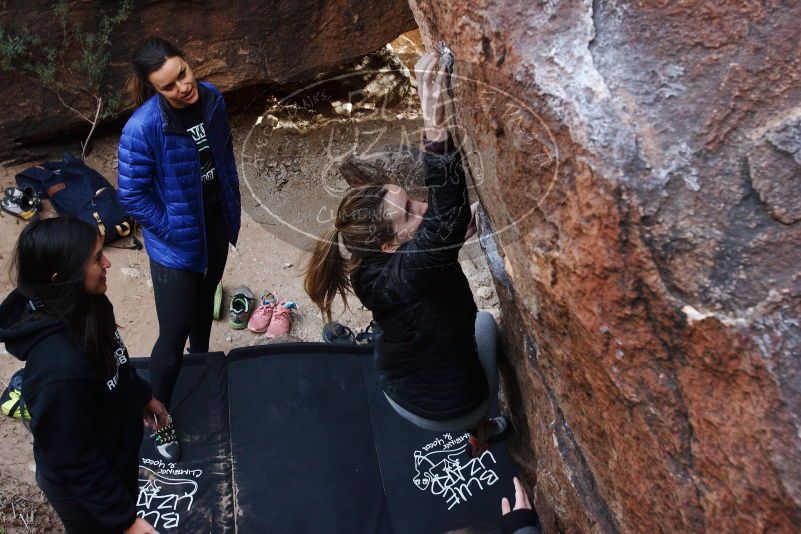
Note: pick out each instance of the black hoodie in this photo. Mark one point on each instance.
(87, 427)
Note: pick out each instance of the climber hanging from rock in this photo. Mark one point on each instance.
(436, 357)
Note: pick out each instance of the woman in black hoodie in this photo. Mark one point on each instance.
(85, 400)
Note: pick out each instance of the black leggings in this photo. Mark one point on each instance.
(184, 301)
(76, 518)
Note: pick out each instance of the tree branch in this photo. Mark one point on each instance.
(85, 144)
(63, 103)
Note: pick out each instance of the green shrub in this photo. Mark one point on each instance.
(75, 70)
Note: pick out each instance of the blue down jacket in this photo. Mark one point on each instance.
(159, 179)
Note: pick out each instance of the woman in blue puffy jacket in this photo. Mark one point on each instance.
(178, 179)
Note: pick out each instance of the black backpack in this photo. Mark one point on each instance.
(80, 191)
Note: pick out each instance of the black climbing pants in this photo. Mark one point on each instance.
(184, 302)
(76, 518)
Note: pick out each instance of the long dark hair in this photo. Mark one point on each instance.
(49, 265)
(362, 228)
(149, 57)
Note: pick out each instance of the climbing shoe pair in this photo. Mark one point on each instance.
(339, 334)
(260, 320)
(273, 317)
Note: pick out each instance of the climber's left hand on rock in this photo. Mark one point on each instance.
(431, 75)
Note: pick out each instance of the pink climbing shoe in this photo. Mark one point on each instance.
(281, 321)
(260, 320)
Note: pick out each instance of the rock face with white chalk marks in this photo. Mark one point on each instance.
(637, 160)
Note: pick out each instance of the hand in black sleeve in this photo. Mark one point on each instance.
(65, 432)
(523, 519)
(442, 232)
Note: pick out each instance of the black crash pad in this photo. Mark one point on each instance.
(196, 494)
(299, 438)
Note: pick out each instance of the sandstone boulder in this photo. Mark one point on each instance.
(640, 164)
(231, 45)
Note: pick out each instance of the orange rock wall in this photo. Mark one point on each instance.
(641, 167)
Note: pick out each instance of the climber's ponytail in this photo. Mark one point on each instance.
(327, 273)
(360, 229)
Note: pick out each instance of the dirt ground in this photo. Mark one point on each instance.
(290, 185)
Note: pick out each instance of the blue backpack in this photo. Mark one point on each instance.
(81, 192)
